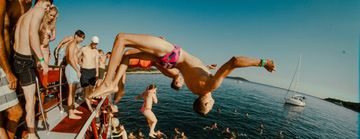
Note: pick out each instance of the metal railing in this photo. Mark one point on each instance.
(89, 121)
(39, 91)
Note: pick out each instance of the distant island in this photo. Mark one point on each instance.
(137, 70)
(350, 105)
(237, 78)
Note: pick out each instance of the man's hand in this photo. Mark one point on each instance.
(12, 80)
(45, 68)
(270, 65)
(79, 74)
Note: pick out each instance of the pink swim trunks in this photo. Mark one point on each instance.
(169, 60)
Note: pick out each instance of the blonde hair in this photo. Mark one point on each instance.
(47, 13)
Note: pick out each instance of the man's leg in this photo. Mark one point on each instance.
(29, 93)
(71, 100)
(235, 62)
(14, 114)
(121, 92)
(108, 88)
(146, 43)
(87, 91)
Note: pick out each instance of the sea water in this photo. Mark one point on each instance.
(240, 106)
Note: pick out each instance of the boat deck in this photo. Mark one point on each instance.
(59, 126)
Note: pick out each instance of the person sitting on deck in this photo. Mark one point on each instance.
(196, 75)
(118, 130)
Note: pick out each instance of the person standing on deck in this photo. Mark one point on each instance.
(89, 68)
(26, 44)
(59, 52)
(72, 70)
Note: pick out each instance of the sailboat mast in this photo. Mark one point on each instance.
(294, 76)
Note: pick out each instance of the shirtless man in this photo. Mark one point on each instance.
(72, 70)
(149, 96)
(89, 68)
(196, 75)
(27, 42)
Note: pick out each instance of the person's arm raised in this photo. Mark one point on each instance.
(155, 98)
(141, 95)
(61, 43)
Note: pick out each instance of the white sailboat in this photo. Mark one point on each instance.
(297, 100)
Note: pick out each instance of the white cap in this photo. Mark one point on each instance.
(95, 39)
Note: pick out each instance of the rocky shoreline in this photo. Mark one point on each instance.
(350, 105)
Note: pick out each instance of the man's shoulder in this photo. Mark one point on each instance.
(72, 44)
(37, 12)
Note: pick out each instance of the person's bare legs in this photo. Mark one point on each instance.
(235, 62)
(71, 100)
(151, 118)
(14, 114)
(121, 92)
(112, 87)
(29, 93)
(146, 43)
(87, 91)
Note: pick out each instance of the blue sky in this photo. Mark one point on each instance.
(325, 32)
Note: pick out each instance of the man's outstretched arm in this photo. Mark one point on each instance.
(233, 63)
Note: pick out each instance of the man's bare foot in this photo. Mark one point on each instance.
(152, 135)
(104, 90)
(77, 112)
(74, 116)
